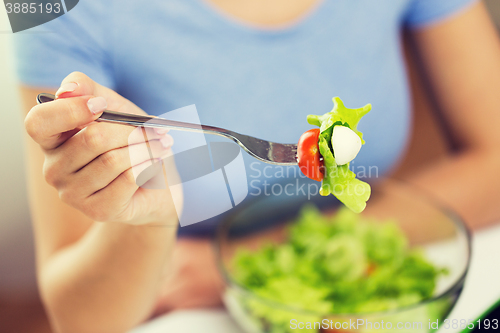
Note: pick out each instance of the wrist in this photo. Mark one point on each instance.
(144, 235)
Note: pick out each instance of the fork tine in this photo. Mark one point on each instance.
(268, 151)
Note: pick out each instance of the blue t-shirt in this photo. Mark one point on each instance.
(164, 55)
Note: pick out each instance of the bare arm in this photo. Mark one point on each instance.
(93, 276)
(462, 61)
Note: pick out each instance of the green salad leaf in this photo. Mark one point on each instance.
(333, 264)
(339, 180)
(340, 115)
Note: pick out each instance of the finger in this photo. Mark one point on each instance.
(47, 122)
(78, 84)
(98, 138)
(117, 196)
(145, 174)
(107, 167)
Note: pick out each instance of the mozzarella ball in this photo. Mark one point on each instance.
(346, 144)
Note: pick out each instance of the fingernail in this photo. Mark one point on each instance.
(66, 87)
(97, 104)
(161, 131)
(167, 141)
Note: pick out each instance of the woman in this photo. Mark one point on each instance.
(254, 66)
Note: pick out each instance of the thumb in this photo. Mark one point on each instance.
(77, 84)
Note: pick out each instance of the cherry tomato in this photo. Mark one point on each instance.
(308, 156)
(370, 269)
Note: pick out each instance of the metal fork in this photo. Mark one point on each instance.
(266, 151)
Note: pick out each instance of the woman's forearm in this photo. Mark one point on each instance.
(95, 277)
(468, 183)
(109, 280)
(461, 56)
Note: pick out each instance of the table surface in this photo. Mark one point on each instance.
(482, 289)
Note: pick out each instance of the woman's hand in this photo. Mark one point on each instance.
(94, 165)
(194, 280)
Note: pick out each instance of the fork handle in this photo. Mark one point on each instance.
(149, 121)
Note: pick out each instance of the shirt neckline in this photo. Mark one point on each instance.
(235, 24)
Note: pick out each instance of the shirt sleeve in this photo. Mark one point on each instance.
(421, 13)
(76, 41)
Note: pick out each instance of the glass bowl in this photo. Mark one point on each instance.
(437, 231)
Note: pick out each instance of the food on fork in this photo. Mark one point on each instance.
(324, 154)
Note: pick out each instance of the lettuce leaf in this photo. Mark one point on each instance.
(340, 180)
(340, 115)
